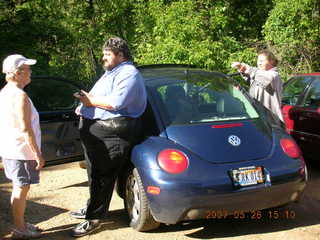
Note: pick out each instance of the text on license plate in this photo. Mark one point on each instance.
(247, 176)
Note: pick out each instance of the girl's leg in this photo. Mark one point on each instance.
(18, 204)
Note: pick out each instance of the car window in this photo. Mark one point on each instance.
(51, 95)
(201, 99)
(312, 99)
(294, 88)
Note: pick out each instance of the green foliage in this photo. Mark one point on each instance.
(294, 33)
(246, 19)
(189, 32)
(66, 36)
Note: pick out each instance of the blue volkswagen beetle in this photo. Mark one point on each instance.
(208, 149)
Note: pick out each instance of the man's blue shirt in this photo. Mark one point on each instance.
(123, 88)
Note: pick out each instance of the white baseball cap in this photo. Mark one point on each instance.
(13, 62)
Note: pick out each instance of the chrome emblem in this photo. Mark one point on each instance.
(234, 140)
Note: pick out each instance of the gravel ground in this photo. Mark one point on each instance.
(64, 188)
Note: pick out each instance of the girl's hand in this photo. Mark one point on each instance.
(40, 163)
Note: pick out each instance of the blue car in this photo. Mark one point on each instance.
(207, 150)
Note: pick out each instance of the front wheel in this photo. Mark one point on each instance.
(136, 204)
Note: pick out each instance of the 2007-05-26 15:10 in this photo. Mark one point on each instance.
(254, 215)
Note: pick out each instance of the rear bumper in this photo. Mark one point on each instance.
(236, 204)
(189, 201)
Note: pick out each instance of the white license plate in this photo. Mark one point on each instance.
(247, 176)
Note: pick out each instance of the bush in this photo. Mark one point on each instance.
(294, 33)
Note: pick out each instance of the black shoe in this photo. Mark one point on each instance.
(80, 214)
(85, 228)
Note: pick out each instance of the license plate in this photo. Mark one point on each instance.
(247, 176)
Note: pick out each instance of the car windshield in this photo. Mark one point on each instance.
(294, 88)
(198, 97)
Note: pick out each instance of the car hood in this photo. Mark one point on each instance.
(212, 142)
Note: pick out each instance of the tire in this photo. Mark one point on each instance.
(137, 205)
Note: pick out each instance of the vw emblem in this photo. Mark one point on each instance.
(234, 140)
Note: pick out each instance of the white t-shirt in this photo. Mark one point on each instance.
(12, 140)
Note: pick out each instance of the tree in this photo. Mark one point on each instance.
(65, 36)
(189, 32)
(294, 33)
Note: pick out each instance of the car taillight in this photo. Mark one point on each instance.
(286, 117)
(290, 148)
(173, 161)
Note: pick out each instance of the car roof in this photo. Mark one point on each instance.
(172, 72)
(161, 71)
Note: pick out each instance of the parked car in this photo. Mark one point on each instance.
(301, 111)
(53, 98)
(208, 150)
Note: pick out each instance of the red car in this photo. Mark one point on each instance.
(301, 112)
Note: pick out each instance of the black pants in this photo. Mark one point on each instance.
(106, 144)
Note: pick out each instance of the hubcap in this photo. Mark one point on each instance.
(133, 198)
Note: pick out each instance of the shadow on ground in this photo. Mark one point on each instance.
(296, 215)
(116, 219)
(35, 212)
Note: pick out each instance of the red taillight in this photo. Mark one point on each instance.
(173, 161)
(286, 117)
(290, 148)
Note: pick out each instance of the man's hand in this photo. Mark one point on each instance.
(85, 98)
(89, 100)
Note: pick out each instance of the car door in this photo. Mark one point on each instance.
(306, 118)
(55, 103)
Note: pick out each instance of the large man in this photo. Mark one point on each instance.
(109, 125)
(265, 81)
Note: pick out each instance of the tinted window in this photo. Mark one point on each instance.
(51, 95)
(294, 88)
(200, 97)
(312, 99)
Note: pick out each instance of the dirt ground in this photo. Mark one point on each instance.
(64, 188)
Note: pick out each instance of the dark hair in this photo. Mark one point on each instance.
(270, 56)
(116, 45)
